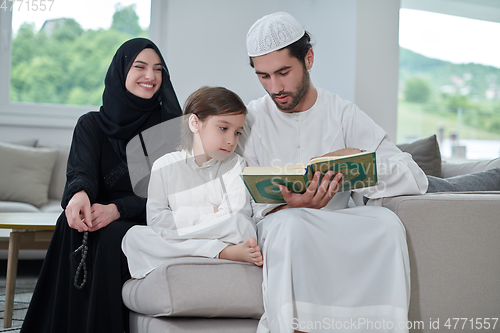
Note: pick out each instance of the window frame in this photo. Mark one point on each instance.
(43, 115)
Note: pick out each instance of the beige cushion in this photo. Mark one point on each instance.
(25, 173)
(17, 207)
(144, 324)
(425, 153)
(25, 142)
(198, 287)
(453, 242)
(58, 181)
(452, 170)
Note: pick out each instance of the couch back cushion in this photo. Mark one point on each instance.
(56, 187)
(25, 173)
(426, 154)
(452, 170)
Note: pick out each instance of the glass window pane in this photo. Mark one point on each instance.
(449, 83)
(61, 49)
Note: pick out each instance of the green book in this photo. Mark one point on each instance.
(358, 170)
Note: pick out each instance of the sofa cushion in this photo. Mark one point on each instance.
(25, 173)
(452, 170)
(488, 180)
(25, 142)
(198, 287)
(17, 207)
(53, 206)
(425, 153)
(140, 323)
(58, 179)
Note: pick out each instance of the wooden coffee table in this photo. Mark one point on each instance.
(29, 231)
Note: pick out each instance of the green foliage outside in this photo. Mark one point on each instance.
(67, 65)
(417, 90)
(432, 91)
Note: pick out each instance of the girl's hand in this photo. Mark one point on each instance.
(102, 215)
(78, 212)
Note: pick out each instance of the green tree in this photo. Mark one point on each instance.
(24, 43)
(125, 19)
(458, 101)
(417, 90)
(64, 63)
(67, 30)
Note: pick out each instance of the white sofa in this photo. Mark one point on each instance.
(455, 272)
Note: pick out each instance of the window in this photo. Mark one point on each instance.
(58, 53)
(449, 83)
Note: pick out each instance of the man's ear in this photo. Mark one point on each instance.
(194, 123)
(309, 59)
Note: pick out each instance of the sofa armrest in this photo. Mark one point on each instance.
(453, 242)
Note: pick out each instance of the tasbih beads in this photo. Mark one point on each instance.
(84, 248)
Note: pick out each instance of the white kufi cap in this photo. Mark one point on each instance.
(273, 32)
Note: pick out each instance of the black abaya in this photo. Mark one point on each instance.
(97, 165)
(57, 306)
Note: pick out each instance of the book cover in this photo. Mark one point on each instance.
(358, 170)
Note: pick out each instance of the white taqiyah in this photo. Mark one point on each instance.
(273, 32)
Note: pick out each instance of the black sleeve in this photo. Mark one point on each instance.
(131, 208)
(83, 167)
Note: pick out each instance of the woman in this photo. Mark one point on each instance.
(75, 295)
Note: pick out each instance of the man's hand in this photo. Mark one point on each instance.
(312, 198)
(102, 215)
(341, 152)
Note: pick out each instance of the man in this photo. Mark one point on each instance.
(326, 266)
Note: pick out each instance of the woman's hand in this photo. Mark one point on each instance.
(102, 215)
(78, 212)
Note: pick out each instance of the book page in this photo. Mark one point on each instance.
(295, 169)
(332, 158)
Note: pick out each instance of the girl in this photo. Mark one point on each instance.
(99, 201)
(197, 203)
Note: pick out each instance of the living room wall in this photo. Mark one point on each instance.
(356, 48)
(356, 52)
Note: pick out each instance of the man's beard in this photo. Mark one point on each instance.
(296, 97)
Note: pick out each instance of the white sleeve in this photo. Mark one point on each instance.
(158, 212)
(397, 173)
(260, 210)
(246, 148)
(236, 198)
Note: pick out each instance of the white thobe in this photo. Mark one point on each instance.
(180, 212)
(336, 263)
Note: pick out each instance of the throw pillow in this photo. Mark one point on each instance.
(480, 181)
(58, 180)
(425, 153)
(25, 142)
(25, 173)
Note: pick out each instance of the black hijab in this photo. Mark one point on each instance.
(122, 114)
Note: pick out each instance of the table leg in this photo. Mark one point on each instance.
(10, 288)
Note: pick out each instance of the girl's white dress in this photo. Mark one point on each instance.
(180, 212)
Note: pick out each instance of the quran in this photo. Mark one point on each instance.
(358, 171)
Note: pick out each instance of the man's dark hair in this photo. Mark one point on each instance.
(297, 49)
